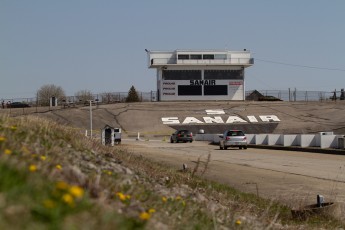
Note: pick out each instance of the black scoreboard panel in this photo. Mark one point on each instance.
(223, 74)
(215, 90)
(181, 74)
(189, 90)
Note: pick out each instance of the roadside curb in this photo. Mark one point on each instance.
(300, 149)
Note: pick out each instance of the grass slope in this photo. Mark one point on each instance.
(51, 177)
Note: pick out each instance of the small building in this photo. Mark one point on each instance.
(257, 96)
(110, 135)
(254, 96)
(186, 75)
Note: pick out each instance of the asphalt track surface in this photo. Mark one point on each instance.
(293, 178)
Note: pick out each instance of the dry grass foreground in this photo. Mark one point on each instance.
(51, 177)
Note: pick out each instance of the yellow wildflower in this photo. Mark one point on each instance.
(43, 158)
(8, 151)
(107, 172)
(121, 196)
(76, 191)
(25, 150)
(151, 210)
(68, 199)
(49, 204)
(238, 222)
(61, 185)
(59, 167)
(2, 139)
(145, 216)
(32, 168)
(178, 198)
(164, 199)
(13, 128)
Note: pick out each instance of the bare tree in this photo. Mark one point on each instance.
(110, 97)
(84, 95)
(47, 91)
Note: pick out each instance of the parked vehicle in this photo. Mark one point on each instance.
(181, 135)
(18, 105)
(233, 138)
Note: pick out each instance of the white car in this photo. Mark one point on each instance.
(233, 138)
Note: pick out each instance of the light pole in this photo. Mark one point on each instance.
(90, 118)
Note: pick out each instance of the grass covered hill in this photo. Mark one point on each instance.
(52, 177)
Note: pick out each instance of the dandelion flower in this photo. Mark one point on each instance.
(32, 168)
(8, 152)
(61, 185)
(164, 199)
(25, 150)
(121, 196)
(2, 139)
(59, 167)
(76, 191)
(238, 222)
(49, 204)
(43, 158)
(151, 210)
(68, 199)
(145, 216)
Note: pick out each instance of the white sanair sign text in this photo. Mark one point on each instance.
(218, 119)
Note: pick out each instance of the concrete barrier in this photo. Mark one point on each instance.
(329, 141)
(290, 140)
(321, 140)
(275, 139)
(261, 139)
(306, 140)
(251, 138)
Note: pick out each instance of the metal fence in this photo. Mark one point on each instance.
(295, 95)
(120, 97)
(101, 98)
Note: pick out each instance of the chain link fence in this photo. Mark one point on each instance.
(101, 98)
(294, 95)
(34, 105)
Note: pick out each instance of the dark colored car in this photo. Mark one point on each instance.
(18, 105)
(181, 135)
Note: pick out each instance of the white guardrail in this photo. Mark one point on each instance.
(321, 140)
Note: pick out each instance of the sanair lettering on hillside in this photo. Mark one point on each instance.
(219, 119)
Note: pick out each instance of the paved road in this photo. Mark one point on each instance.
(294, 178)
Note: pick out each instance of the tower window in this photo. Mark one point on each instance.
(183, 57)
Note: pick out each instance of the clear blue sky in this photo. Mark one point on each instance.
(100, 45)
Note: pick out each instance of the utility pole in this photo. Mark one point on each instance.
(90, 118)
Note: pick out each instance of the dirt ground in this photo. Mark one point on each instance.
(293, 178)
(146, 117)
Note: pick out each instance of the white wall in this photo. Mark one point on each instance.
(289, 140)
(302, 140)
(275, 139)
(261, 139)
(307, 140)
